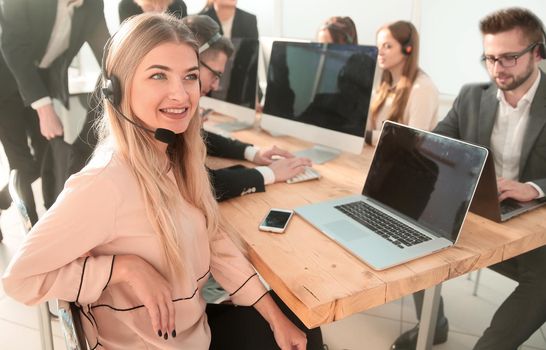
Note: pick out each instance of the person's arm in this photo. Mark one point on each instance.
(96, 30)
(451, 124)
(56, 260)
(18, 50)
(235, 181)
(219, 146)
(237, 276)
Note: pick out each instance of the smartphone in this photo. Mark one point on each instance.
(276, 220)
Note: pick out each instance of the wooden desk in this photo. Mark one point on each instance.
(319, 280)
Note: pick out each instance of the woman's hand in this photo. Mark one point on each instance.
(287, 168)
(151, 288)
(287, 335)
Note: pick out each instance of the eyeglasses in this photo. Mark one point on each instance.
(216, 73)
(509, 60)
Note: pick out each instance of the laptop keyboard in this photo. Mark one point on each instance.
(394, 231)
(509, 205)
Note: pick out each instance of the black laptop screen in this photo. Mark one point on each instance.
(328, 86)
(425, 177)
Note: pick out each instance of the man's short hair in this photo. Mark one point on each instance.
(514, 17)
(204, 28)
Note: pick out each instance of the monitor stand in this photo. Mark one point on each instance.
(319, 154)
(233, 126)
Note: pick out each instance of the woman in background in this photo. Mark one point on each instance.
(133, 236)
(128, 8)
(234, 22)
(338, 30)
(405, 94)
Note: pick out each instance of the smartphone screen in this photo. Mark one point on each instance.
(276, 220)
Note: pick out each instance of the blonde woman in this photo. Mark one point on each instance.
(405, 94)
(134, 235)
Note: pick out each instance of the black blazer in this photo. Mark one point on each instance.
(233, 181)
(26, 29)
(128, 8)
(244, 25)
(473, 116)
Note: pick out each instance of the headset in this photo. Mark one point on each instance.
(407, 48)
(542, 45)
(111, 91)
(217, 36)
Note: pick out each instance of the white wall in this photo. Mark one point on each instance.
(450, 40)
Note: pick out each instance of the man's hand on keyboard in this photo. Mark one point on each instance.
(287, 168)
(268, 155)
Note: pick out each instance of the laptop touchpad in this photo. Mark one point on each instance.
(346, 230)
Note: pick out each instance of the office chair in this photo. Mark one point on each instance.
(68, 313)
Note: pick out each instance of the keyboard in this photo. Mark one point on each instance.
(308, 174)
(394, 231)
(508, 205)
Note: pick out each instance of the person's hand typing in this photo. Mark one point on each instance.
(50, 124)
(513, 189)
(287, 168)
(267, 156)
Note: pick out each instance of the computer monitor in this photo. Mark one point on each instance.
(320, 93)
(236, 96)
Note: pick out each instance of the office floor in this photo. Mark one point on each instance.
(374, 329)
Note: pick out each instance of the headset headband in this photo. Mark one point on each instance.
(217, 36)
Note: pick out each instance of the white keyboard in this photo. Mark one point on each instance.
(308, 174)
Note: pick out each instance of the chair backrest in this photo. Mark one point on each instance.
(68, 312)
(70, 321)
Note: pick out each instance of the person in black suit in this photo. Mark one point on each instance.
(235, 181)
(39, 40)
(507, 115)
(233, 22)
(128, 8)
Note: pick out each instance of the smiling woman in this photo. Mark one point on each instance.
(138, 226)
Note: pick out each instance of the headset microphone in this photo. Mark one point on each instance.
(164, 135)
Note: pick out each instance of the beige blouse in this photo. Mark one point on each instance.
(421, 111)
(69, 254)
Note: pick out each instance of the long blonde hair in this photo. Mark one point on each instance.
(185, 158)
(406, 34)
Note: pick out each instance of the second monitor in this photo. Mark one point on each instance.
(320, 93)
(236, 95)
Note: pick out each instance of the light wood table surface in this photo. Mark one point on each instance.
(320, 281)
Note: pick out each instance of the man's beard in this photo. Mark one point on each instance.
(517, 81)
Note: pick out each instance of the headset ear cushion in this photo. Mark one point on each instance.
(542, 50)
(111, 90)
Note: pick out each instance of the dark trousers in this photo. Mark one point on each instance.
(243, 328)
(523, 312)
(24, 146)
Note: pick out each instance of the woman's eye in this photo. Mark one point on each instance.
(192, 76)
(158, 76)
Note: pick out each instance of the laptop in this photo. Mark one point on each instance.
(485, 202)
(414, 202)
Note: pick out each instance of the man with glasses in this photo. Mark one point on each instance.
(508, 116)
(215, 51)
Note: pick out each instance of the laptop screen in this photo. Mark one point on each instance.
(426, 177)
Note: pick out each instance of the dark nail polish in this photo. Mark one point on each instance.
(166, 336)
(174, 333)
(159, 333)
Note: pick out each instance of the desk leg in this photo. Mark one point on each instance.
(429, 315)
